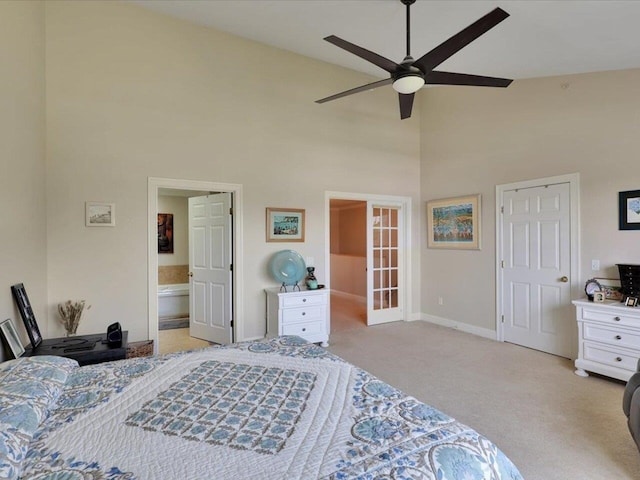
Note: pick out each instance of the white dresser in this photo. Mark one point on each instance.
(304, 313)
(609, 339)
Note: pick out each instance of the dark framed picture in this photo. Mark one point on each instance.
(26, 312)
(10, 335)
(631, 301)
(285, 225)
(629, 210)
(165, 233)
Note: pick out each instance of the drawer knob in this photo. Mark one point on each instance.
(304, 299)
(304, 329)
(304, 313)
(618, 337)
(617, 319)
(618, 359)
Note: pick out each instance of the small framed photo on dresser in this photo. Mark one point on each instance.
(631, 301)
(599, 297)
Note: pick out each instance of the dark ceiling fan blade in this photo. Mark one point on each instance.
(369, 86)
(384, 63)
(447, 78)
(446, 49)
(406, 104)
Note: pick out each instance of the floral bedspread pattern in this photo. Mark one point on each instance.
(280, 408)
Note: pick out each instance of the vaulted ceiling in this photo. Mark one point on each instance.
(540, 38)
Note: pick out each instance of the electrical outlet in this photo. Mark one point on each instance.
(595, 265)
(440, 301)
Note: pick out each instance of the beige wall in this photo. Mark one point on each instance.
(22, 159)
(349, 229)
(133, 94)
(179, 207)
(475, 139)
(349, 249)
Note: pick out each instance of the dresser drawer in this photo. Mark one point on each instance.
(609, 356)
(303, 329)
(621, 337)
(302, 300)
(303, 314)
(611, 318)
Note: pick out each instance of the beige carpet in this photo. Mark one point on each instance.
(553, 424)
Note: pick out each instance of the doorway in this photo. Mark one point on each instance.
(367, 260)
(191, 188)
(537, 252)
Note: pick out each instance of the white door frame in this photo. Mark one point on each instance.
(573, 179)
(405, 204)
(156, 183)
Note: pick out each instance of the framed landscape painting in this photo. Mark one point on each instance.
(454, 223)
(285, 225)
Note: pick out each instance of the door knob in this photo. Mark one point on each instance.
(564, 279)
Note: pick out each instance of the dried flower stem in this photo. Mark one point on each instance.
(70, 313)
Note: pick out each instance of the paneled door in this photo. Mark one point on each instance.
(536, 250)
(210, 292)
(384, 261)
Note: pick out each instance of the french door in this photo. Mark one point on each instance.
(384, 263)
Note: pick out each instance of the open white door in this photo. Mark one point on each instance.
(536, 263)
(210, 292)
(384, 263)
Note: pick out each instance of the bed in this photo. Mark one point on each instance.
(274, 409)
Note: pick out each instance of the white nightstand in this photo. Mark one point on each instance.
(304, 313)
(608, 337)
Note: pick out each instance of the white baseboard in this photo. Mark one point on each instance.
(250, 339)
(464, 327)
(350, 296)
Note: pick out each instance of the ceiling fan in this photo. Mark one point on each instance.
(409, 76)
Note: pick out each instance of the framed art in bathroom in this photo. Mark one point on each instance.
(99, 214)
(165, 233)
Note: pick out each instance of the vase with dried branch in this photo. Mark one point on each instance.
(70, 313)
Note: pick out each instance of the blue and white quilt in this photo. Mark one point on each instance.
(276, 409)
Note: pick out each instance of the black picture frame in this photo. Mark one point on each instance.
(629, 209)
(631, 301)
(26, 312)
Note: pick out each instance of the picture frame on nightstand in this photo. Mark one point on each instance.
(10, 335)
(599, 297)
(26, 312)
(631, 301)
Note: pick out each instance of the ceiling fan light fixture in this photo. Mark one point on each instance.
(408, 84)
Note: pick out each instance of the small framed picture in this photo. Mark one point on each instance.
(99, 214)
(629, 210)
(10, 336)
(631, 301)
(285, 225)
(599, 297)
